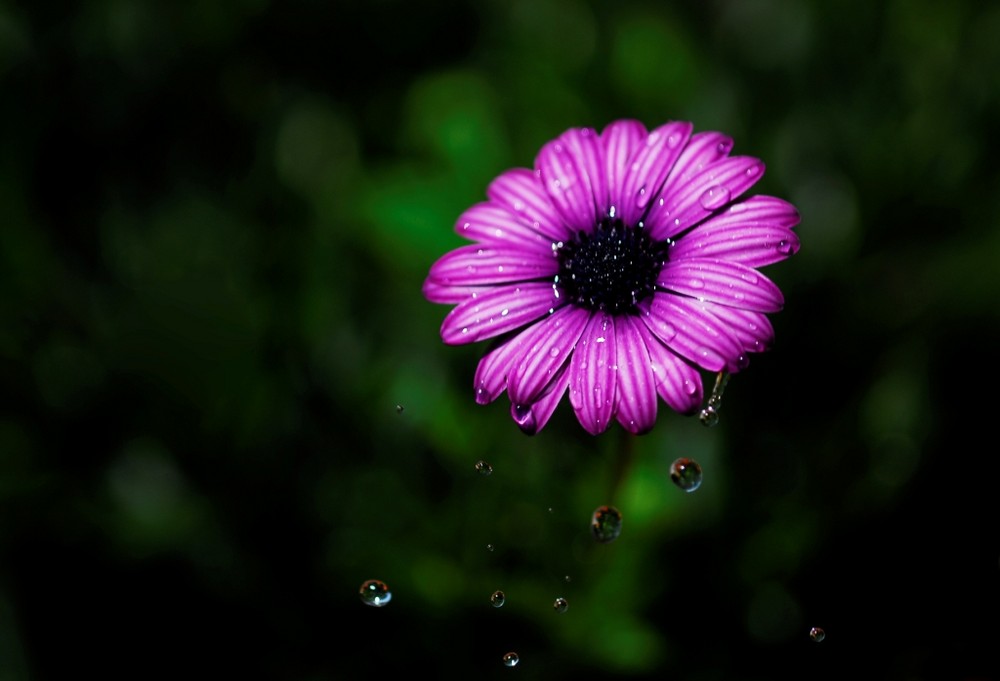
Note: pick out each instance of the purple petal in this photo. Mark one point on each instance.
(534, 418)
(572, 171)
(683, 325)
(620, 140)
(477, 264)
(752, 330)
(689, 202)
(636, 398)
(521, 192)
(722, 282)
(677, 382)
(649, 167)
(702, 150)
(544, 349)
(436, 292)
(755, 232)
(495, 310)
(593, 378)
(493, 224)
(491, 373)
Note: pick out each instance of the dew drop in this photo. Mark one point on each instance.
(714, 197)
(484, 467)
(560, 605)
(709, 416)
(553, 352)
(511, 659)
(817, 634)
(696, 283)
(686, 474)
(497, 599)
(784, 247)
(374, 593)
(606, 524)
(642, 198)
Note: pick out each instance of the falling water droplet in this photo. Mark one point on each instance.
(560, 605)
(483, 467)
(817, 634)
(686, 474)
(567, 579)
(374, 593)
(497, 599)
(714, 197)
(709, 416)
(490, 548)
(606, 524)
(399, 409)
(511, 659)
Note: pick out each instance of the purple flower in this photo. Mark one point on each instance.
(615, 270)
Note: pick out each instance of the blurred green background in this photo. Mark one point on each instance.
(225, 403)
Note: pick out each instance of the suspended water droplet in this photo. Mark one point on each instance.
(686, 474)
(709, 416)
(714, 197)
(399, 409)
(490, 548)
(560, 605)
(483, 467)
(511, 659)
(497, 599)
(375, 593)
(817, 634)
(606, 524)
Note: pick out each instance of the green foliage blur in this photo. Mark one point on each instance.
(225, 402)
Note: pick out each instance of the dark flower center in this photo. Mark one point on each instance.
(612, 268)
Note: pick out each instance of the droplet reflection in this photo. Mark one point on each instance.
(375, 593)
(817, 634)
(686, 474)
(483, 467)
(606, 524)
(511, 659)
(560, 605)
(497, 599)
(709, 416)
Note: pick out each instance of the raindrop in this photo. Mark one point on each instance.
(497, 599)
(483, 467)
(375, 593)
(817, 634)
(714, 197)
(606, 524)
(560, 605)
(490, 548)
(511, 659)
(709, 416)
(686, 474)
(399, 409)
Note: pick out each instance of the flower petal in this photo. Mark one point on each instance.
(702, 150)
(677, 382)
(649, 167)
(755, 232)
(493, 224)
(620, 139)
(436, 292)
(683, 325)
(593, 376)
(720, 281)
(476, 264)
(687, 203)
(544, 349)
(521, 192)
(572, 171)
(636, 392)
(533, 419)
(752, 330)
(492, 311)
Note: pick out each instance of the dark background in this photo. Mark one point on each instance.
(215, 218)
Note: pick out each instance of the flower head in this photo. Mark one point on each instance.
(619, 267)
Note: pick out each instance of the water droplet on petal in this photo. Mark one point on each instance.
(696, 283)
(553, 352)
(374, 593)
(511, 659)
(817, 634)
(784, 247)
(641, 199)
(521, 413)
(497, 599)
(560, 605)
(686, 474)
(483, 467)
(606, 524)
(714, 197)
